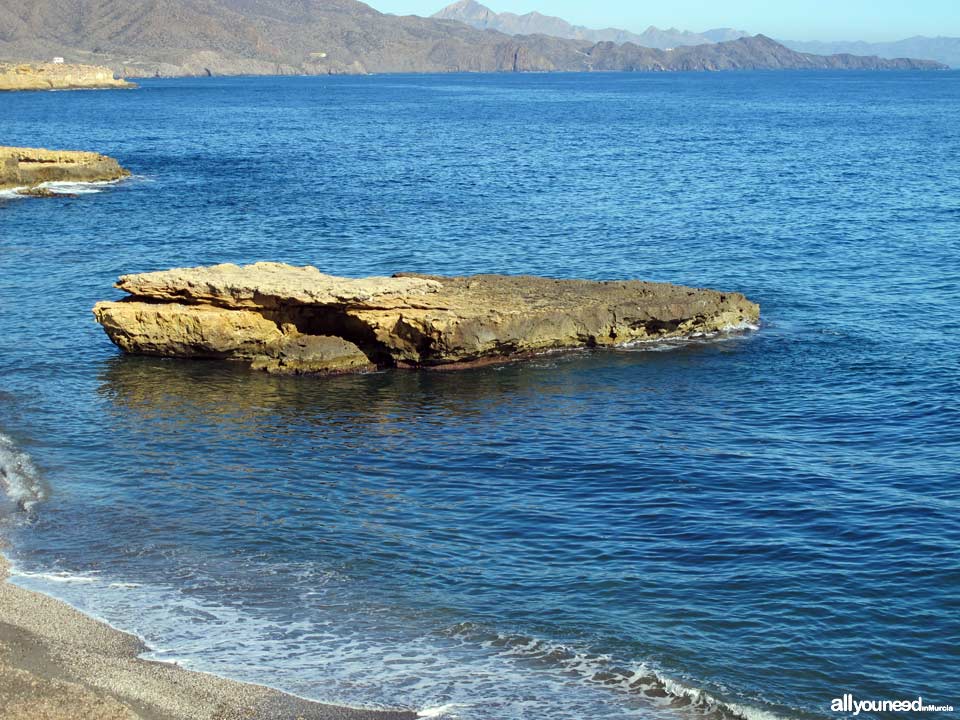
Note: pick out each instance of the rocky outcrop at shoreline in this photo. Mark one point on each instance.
(282, 318)
(29, 167)
(58, 76)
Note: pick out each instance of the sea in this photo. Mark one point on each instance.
(744, 526)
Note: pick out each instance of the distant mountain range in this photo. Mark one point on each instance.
(266, 37)
(483, 18)
(941, 49)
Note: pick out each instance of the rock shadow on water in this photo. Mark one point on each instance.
(165, 389)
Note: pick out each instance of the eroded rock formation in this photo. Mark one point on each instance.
(58, 76)
(282, 318)
(29, 167)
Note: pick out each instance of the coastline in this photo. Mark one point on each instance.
(58, 664)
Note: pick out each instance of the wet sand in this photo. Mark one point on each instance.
(58, 664)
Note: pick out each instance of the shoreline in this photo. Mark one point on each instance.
(482, 73)
(57, 663)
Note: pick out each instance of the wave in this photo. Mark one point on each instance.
(56, 577)
(21, 486)
(734, 331)
(11, 194)
(644, 679)
(62, 187)
(463, 672)
(443, 711)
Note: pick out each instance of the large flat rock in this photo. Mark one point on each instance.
(285, 319)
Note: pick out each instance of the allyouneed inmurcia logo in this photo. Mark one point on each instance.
(848, 705)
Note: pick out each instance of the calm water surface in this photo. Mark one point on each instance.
(748, 526)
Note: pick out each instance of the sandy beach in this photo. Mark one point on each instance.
(58, 664)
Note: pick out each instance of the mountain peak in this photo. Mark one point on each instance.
(481, 17)
(464, 9)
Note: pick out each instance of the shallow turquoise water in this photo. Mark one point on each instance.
(756, 524)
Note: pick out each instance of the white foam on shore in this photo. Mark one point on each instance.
(56, 577)
(708, 704)
(463, 672)
(21, 484)
(662, 690)
(447, 710)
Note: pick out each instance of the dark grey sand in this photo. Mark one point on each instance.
(58, 664)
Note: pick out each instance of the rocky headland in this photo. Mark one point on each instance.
(58, 76)
(28, 167)
(287, 319)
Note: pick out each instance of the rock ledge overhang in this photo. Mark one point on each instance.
(29, 167)
(282, 318)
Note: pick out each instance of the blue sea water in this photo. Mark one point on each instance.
(746, 526)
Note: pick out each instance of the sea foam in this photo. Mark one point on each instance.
(77, 188)
(62, 187)
(645, 680)
(734, 331)
(21, 485)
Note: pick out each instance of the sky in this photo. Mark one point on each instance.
(872, 20)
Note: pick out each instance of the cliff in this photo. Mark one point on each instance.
(28, 167)
(263, 37)
(51, 76)
(288, 319)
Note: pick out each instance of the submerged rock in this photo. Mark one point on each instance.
(42, 192)
(282, 318)
(29, 167)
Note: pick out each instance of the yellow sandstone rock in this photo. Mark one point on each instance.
(203, 331)
(58, 76)
(27, 167)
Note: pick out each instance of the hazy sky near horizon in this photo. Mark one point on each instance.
(786, 19)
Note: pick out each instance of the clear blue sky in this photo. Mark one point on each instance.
(786, 19)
